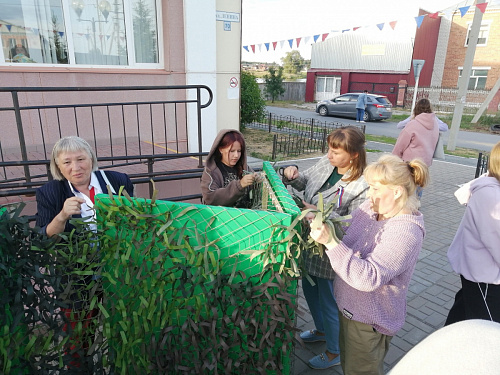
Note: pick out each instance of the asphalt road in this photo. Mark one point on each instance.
(476, 141)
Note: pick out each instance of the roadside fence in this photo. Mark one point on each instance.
(295, 136)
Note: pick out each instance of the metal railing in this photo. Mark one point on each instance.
(145, 127)
(295, 136)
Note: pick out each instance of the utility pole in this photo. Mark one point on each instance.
(463, 82)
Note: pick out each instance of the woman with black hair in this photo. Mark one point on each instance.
(227, 177)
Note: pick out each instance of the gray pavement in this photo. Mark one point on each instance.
(434, 284)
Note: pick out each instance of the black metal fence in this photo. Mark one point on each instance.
(296, 136)
(141, 126)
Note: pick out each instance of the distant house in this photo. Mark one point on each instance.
(381, 62)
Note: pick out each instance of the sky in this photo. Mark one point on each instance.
(268, 21)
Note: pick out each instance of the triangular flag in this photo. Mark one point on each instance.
(267, 46)
(355, 28)
(87, 36)
(100, 36)
(245, 47)
(482, 7)
(274, 45)
(9, 27)
(61, 33)
(107, 37)
(253, 47)
(282, 43)
(260, 46)
(343, 31)
(0, 25)
(306, 39)
(393, 24)
(419, 20)
(323, 37)
(290, 41)
(36, 31)
(315, 37)
(464, 10)
(80, 34)
(298, 41)
(434, 15)
(380, 26)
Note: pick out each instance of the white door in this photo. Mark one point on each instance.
(327, 87)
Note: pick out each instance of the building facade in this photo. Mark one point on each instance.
(337, 67)
(83, 43)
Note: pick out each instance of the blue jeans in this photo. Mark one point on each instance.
(324, 310)
(360, 114)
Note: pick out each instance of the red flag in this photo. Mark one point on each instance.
(434, 15)
(323, 37)
(355, 28)
(274, 45)
(393, 24)
(482, 7)
(253, 47)
(298, 41)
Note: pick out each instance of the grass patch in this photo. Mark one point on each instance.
(285, 103)
(380, 138)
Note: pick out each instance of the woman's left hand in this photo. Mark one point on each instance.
(308, 206)
(322, 235)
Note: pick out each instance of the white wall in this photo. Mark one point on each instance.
(212, 58)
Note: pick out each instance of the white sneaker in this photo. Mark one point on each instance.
(357, 121)
(361, 121)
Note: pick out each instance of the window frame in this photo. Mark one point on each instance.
(130, 42)
(474, 68)
(484, 23)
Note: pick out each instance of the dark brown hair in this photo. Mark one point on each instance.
(422, 106)
(227, 141)
(352, 140)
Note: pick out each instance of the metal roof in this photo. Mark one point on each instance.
(364, 52)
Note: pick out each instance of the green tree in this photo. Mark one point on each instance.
(274, 83)
(144, 33)
(293, 62)
(252, 103)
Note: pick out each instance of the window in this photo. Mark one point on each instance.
(482, 39)
(328, 84)
(80, 32)
(477, 80)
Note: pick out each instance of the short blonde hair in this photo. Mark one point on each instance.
(494, 162)
(392, 171)
(69, 144)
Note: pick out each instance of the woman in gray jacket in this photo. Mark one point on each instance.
(339, 174)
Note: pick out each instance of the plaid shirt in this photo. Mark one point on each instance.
(310, 181)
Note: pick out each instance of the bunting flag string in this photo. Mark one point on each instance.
(36, 31)
(418, 20)
(267, 46)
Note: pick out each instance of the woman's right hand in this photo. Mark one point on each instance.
(72, 206)
(247, 180)
(291, 172)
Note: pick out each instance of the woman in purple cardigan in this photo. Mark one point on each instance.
(374, 262)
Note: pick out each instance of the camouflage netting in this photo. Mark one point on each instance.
(181, 289)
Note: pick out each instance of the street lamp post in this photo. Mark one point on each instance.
(103, 6)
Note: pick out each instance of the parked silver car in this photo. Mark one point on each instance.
(378, 107)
